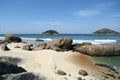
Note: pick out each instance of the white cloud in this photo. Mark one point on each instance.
(87, 13)
(97, 10)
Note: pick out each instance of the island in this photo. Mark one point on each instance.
(106, 31)
(50, 32)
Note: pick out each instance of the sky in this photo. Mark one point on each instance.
(64, 16)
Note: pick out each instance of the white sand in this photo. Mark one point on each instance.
(47, 62)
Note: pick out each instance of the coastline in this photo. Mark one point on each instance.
(46, 62)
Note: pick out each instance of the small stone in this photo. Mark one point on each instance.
(60, 72)
(83, 72)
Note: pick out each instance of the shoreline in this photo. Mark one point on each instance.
(46, 62)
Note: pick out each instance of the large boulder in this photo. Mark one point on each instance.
(7, 68)
(60, 43)
(12, 38)
(21, 76)
(99, 49)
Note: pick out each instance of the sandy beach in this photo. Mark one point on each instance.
(47, 62)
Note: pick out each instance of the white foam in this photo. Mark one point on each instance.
(107, 41)
(2, 37)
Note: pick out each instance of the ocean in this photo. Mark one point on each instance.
(79, 38)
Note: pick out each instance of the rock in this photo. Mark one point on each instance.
(11, 60)
(77, 45)
(105, 31)
(79, 78)
(82, 72)
(21, 76)
(50, 32)
(17, 47)
(7, 68)
(4, 47)
(40, 46)
(99, 49)
(60, 43)
(108, 67)
(12, 38)
(27, 47)
(60, 72)
(39, 40)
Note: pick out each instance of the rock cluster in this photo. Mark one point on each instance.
(10, 71)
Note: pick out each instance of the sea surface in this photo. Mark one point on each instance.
(79, 38)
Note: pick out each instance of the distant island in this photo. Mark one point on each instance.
(50, 32)
(105, 31)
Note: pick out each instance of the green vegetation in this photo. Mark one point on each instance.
(106, 32)
(50, 32)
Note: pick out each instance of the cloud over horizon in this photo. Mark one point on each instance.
(96, 10)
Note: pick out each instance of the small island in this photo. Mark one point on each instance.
(106, 31)
(50, 32)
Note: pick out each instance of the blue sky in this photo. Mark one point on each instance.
(65, 16)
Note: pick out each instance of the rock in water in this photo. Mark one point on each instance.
(60, 43)
(4, 47)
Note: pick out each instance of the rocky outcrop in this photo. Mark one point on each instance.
(21, 76)
(50, 32)
(4, 47)
(99, 49)
(106, 31)
(60, 44)
(7, 68)
(11, 71)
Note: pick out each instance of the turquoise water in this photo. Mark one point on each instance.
(111, 61)
(79, 38)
